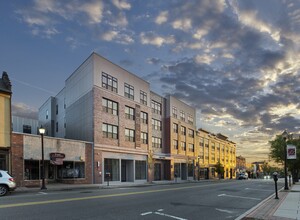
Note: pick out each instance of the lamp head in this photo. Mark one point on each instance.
(42, 130)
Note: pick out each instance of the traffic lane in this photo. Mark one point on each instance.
(186, 202)
(123, 207)
(49, 195)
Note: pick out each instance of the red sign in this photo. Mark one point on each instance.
(57, 158)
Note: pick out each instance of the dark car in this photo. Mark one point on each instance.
(7, 183)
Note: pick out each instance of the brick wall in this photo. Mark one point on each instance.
(17, 158)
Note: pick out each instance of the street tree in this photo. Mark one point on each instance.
(219, 169)
(277, 153)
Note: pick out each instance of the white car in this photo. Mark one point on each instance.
(243, 176)
(7, 183)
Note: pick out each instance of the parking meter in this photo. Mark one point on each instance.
(275, 177)
(107, 176)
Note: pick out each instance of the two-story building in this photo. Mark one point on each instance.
(5, 122)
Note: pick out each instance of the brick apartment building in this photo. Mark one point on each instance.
(106, 120)
(128, 124)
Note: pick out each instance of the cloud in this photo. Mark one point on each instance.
(153, 39)
(110, 35)
(118, 37)
(94, 11)
(153, 60)
(121, 4)
(74, 43)
(162, 17)
(23, 110)
(182, 24)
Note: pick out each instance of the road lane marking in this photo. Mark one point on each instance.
(241, 197)
(170, 216)
(99, 196)
(224, 210)
(159, 212)
(146, 213)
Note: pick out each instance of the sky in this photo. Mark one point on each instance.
(237, 62)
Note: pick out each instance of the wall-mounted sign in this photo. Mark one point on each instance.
(291, 151)
(57, 158)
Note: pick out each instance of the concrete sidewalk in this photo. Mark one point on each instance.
(286, 207)
(66, 187)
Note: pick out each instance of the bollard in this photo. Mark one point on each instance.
(275, 177)
(290, 180)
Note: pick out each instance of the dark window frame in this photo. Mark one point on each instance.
(109, 82)
(129, 135)
(128, 91)
(143, 97)
(110, 131)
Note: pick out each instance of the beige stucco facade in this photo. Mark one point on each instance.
(5, 121)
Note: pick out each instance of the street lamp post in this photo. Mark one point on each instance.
(42, 132)
(198, 168)
(285, 136)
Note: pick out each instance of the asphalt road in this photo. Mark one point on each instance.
(203, 200)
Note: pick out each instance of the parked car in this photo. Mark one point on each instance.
(243, 176)
(7, 183)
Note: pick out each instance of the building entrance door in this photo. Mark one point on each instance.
(127, 174)
(157, 171)
(183, 171)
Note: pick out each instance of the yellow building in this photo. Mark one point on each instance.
(5, 122)
(214, 148)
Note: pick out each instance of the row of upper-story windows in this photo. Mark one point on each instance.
(183, 130)
(111, 131)
(182, 115)
(111, 83)
(111, 107)
(183, 146)
(213, 146)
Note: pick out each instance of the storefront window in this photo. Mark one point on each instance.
(213, 172)
(31, 170)
(70, 169)
(177, 169)
(112, 166)
(140, 170)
